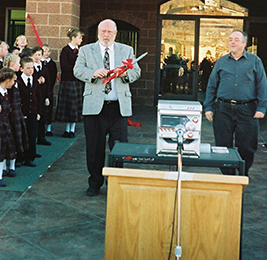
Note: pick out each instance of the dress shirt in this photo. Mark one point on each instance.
(238, 79)
(47, 60)
(25, 78)
(37, 65)
(112, 95)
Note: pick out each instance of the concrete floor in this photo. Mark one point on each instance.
(54, 219)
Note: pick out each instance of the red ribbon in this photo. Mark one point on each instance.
(37, 36)
(35, 31)
(131, 123)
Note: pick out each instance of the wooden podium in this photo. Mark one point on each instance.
(141, 206)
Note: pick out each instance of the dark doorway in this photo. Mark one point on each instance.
(127, 34)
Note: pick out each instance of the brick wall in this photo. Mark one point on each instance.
(52, 19)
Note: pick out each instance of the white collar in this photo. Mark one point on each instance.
(103, 48)
(47, 60)
(72, 46)
(25, 78)
(37, 64)
(3, 91)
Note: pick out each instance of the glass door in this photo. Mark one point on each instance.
(178, 69)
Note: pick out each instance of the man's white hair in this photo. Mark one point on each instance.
(109, 20)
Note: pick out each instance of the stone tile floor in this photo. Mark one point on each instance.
(54, 219)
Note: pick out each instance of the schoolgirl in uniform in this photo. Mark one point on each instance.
(69, 109)
(17, 119)
(21, 42)
(7, 145)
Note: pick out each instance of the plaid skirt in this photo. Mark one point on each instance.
(7, 145)
(17, 122)
(70, 102)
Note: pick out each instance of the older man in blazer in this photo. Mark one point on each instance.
(105, 106)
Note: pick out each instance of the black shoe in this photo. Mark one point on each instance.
(30, 164)
(4, 173)
(2, 183)
(18, 164)
(71, 135)
(91, 192)
(66, 134)
(49, 133)
(11, 173)
(44, 142)
(38, 155)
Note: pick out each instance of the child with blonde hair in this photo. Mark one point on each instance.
(17, 119)
(21, 41)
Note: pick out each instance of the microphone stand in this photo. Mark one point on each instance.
(180, 139)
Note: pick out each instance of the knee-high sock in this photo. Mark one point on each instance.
(1, 170)
(4, 164)
(12, 164)
(72, 127)
(48, 128)
(68, 127)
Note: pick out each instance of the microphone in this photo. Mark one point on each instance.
(180, 129)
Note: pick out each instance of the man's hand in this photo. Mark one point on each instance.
(259, 114)
(100, 73)
(38, 117)
(117, 70)
(209, 115)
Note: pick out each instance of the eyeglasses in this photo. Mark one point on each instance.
(108, 32)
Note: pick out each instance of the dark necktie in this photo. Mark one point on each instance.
(29, 85)
(6, 97)
(75, 50)
(39, 68)
(45, 62)
(107, 67)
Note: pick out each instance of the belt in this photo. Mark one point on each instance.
(107, 102)
(237, 102)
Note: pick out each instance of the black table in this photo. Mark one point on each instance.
(146, 154)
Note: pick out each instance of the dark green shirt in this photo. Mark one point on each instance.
(243, 79)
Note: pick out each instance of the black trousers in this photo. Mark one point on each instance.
(236, 123)
(32, 128)
(96, 127)
(42, 122)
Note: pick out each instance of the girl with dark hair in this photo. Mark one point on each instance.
(7, 145)
(69, 109)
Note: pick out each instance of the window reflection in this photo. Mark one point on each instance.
(177, 54)
(203, 7)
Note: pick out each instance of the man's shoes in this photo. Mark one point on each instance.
(4, 173)
(2, 183)
(65, 134)
(91, 192)
(30, 163)
(49, 133)
(38, 155)
(43, 142)
(11, 173)
(71, 135)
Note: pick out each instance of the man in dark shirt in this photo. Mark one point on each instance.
(237, 88)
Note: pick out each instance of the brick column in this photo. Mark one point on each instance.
(52, 19)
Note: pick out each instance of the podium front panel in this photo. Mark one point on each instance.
(141, 206)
